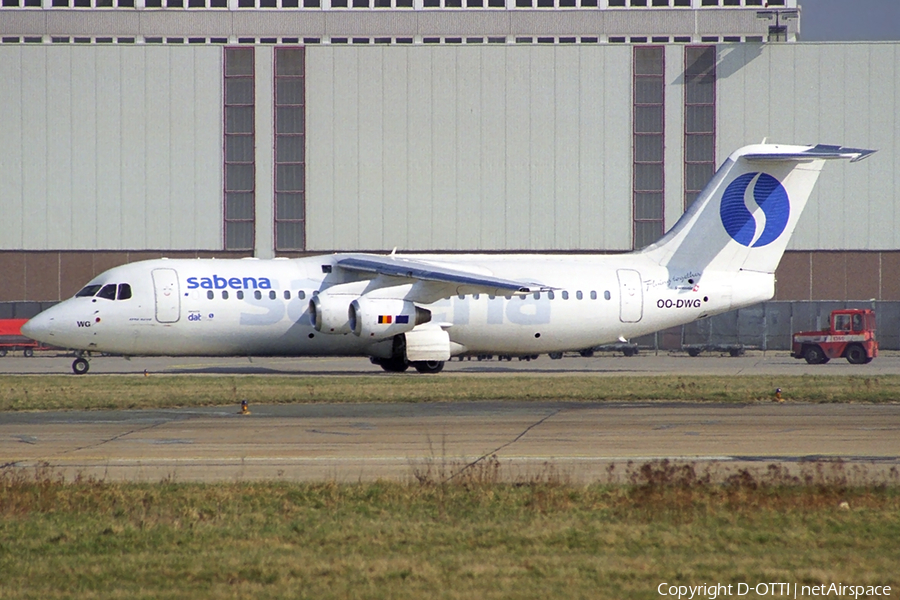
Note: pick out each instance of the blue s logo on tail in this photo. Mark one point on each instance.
(769, 195)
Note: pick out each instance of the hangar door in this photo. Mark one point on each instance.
(168, 298)
(631, 296)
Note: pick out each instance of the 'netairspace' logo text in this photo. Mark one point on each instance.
(788, 590)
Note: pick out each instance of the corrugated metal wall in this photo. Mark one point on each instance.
(454, 148)
(110, 147)
(512, 147)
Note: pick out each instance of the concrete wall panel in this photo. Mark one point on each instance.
(107, 147)
(264, 115)
(468, 162)
(396, 152)
(829, 280)
(12, 265)
(75, 270)
(499, 148)
(43, 269)
(890, 276)
(792, 278)
(445, 96)
(12, 155)
(565, 188)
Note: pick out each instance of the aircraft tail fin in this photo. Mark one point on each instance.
(746, 214)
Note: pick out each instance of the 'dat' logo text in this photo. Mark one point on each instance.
(737, 209)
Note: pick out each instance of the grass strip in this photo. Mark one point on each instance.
(470, 538)
(69, 392)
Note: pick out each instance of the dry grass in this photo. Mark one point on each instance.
(451, 534)
(166, 391)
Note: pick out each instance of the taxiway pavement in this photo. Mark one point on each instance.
(753, 363)
(578, 441)
(396, 441)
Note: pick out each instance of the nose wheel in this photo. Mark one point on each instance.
(80, 366)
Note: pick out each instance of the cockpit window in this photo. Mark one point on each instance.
(124, 292)
(88, 291)
(108, 291)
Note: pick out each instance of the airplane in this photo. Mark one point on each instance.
(419, 310)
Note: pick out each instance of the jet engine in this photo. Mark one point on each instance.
(377, 318)
(329, 313)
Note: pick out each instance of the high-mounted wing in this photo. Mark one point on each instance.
(395, 266)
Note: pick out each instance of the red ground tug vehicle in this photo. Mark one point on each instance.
(11, 337)
(851, 336)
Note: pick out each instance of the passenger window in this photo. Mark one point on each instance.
(87, 291)
(593, 295)
(287, 294)
(607, 295)
(224, 294)
(857, 323)
(210, 295)
(108, 291)
(565, 295)
(272, 295)
(124, 292)
(551, 295)
(579, 295)
(476, 296)
(537, 295)
(257, 294)
(301, 294)
(240, 295)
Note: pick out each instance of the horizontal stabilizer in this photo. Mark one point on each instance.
(820, 152)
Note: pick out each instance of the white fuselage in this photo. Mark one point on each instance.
(261, 307)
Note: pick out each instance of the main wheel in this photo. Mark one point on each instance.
(428, 366)
(856, 355)
(80, 366)
(394, 365)
(556, 355)
(814, 355)
(693, 352)
(587, 353)
(629, 351)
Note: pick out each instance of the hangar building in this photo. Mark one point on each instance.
(139, 132)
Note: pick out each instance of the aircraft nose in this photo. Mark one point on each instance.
(38, 327)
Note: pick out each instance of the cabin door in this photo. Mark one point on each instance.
(168, 297)
(631, 296)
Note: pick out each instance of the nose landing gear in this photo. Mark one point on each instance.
(80, 366)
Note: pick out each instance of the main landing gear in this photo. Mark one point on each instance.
(399, 365)
(398, 362)
(428, 366)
